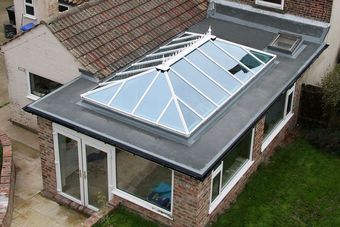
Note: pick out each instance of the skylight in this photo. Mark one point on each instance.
(184, 88)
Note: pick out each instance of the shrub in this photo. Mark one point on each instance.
(325, 139)
(331, 97)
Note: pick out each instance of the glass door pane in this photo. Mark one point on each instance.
(69, 166)
(97, 180)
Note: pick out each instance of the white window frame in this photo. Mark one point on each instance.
(284, 121)
(82, 140)
(270, 4)
(30, 5)
(233, 181)
(30, 95)
(112, 184)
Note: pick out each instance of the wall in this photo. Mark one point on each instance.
(327, 61)
(314, 9)
(43, 9)
(7, 182)
(39, 52)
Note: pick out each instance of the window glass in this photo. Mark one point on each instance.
(263, 57)
(69, 166)
(29, 7)
(236, 158)
(232, 163)
(171, 118)
(144, 179)
(215, 187)
(289, 103)
(274, 115)
(105, 95)
(41, 86)
(62, 8)
(273, 1)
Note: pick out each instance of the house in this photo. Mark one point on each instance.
(173, 122)
(64, 53)
(34, 11)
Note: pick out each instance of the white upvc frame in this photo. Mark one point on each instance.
(286, 117)
(82, 141)
(29, 91)
(30, 5)
(271, 4)
(225, 189)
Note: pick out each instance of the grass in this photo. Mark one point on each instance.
(299, 187)
(123, 218)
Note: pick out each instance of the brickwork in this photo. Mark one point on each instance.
(7, 181)
(22, 118)
(45, 134)
(191, 197)
(314, 9)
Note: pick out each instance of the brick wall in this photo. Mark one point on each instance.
(314, 9)
(191, 197)
(7, 181)
(22, 118)
(45, 134)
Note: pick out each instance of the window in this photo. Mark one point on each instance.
(63, 7)
(277, 116)
(29, 8)
(231, 169)
(278, 4)
(144, 182)
(285, 43)
(39, 86)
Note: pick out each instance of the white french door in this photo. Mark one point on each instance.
(84, 168)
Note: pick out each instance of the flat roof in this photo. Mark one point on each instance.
(198, 157)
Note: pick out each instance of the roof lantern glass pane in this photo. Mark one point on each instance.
(191, 96)
(178, 91)
(228, 63)
(131, 92)
(171, 118)
(191, 119)
(155, 99)
(263, 57)
(241, 55)
(200, 81)
(217, 73)
(105, 94)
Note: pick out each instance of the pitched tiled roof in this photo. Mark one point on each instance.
(105, 35)
(73, 2)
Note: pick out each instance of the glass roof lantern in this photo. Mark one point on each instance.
(182, 84)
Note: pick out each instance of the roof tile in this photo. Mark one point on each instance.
(106, 35)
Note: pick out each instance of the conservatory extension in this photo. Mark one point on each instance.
(176, 134)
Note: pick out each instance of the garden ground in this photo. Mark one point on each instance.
(299, 186)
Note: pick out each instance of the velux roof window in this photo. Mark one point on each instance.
(286, 43)
(183, 83)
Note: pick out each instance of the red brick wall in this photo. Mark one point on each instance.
(7, 181)
(45, 134)
(314, 9)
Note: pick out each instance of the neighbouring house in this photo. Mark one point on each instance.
(175, 109)
(76, 47)
(34, 11)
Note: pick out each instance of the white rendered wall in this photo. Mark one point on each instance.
(327, 61)
(39, 52)
(42, 8)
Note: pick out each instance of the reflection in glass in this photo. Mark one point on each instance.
(144, 179)
(97, 180)
(69, 166)
(274, 115)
